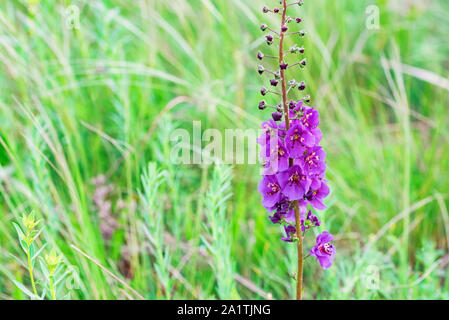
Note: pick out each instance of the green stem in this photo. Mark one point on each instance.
(52, 289)
(30, 269)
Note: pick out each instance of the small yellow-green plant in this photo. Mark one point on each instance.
(52, 260)
(27, 237)
(51, 265)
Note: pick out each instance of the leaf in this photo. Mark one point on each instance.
(25, 290)
(38, 252)
(19, 261)
(21, 236)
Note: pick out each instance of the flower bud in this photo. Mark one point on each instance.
(265, 10)
(276, 10)
(292, 83)
(269, 38)
(274, 82)
(306, 99)
(277, 75)
(260, 69)
(301, 50)
(284, 28)
(302, 86)
(279, 108)
(302, 33)
(283, 66)
(263, 91)
(277, 116)
(298, 20)
(262, 105)
(263, 27)
(303, 63)
(260, 55)
(291, 104)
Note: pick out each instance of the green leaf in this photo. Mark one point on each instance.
(25, 290)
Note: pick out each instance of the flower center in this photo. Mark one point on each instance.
(274, 188)
(326, 248)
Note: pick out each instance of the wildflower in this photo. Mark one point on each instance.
(323, 250)
(271, 191)
(316, 197)
(313, 160)
(29, 221)
(297, 139)
(294, 183)
(52, 260)
(290, 231)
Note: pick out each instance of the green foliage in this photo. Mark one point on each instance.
(78, 103)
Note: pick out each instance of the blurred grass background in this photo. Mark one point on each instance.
(83, 111)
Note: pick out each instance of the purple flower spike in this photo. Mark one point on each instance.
(297, 139)
(294, 183)
(323, 250)
(271, 191)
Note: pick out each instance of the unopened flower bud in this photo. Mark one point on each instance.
(277, 75)
(260, 69)
(262, 105)
(301, 50)
(260, 55)
(279, 108)
(276, 10)
(263, 91)
(291, 104)
(265, 10)
(292, 83)
(306, 99)
(284, 28)
(298, 20)
(277, 116)
(302, 33)
(302, 86)
(283, 65)
(274, 82)
(269, 38)
(303, 63)
(263, 27)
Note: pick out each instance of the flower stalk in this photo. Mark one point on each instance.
(294, 162)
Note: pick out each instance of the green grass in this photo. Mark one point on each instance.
(76, 104)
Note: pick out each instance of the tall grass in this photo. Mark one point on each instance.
(78, 103)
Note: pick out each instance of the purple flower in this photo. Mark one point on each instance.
(290, 231)
(310, 118)
(297, 139)
(314, 221)
(323, 250)
(275, 156)
(313, 161)
(294, 183)
(270, 190)
(316, 197)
